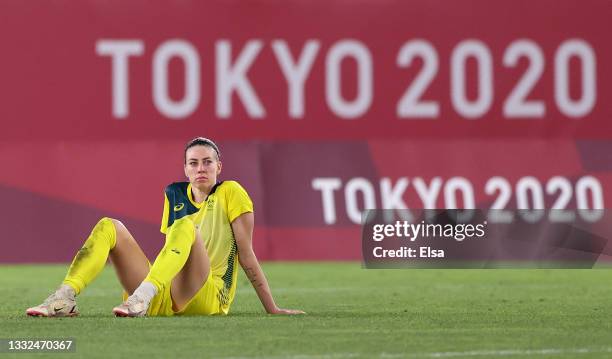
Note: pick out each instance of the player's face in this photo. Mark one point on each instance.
(202, 167)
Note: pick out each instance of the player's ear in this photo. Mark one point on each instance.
(219, 168)
(185, 170)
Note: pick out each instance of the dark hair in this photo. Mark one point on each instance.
(202, 141)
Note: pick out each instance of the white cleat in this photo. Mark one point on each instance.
(62, 303)
(134, 306)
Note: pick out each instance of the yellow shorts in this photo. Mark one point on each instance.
(205, 302)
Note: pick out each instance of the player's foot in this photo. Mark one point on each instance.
(62, 303)
(134, 306)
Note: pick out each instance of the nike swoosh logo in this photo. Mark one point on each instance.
(58, 309)
(178, 207)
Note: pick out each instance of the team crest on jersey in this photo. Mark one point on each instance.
(179, 206)
(210, 204)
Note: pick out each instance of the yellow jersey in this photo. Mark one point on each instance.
(213, 217)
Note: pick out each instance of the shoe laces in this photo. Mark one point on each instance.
(52, 298)
(133, 300)
(58, 295)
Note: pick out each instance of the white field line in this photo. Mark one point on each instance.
(470, 353)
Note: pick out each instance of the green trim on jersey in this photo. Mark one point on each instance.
(228, 277)
(177, 204)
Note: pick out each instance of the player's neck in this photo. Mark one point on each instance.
(199, 195)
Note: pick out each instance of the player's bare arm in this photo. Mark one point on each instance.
(243, 233)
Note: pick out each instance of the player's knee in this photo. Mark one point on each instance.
(185, 224)
(104, 230)
(182, 229)
(118, 226)
(121, 232)
(105, 224)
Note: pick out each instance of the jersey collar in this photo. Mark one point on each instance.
(190, 195)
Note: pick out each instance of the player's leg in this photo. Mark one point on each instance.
(130, 262)
(182, 264)
(107, 237)
(192, 277)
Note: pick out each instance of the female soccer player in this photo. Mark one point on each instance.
(208, 226)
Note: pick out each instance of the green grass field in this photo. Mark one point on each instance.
(352, 313)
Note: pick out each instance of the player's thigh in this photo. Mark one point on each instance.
(192, 276)
(130, 262)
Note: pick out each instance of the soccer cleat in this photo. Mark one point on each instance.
(59, 304)
(134, 306)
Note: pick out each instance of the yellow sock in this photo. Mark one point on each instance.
(92, 257)
(173, 256)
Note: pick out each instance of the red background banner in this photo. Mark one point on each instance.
(370, 103)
